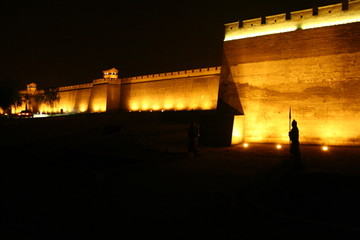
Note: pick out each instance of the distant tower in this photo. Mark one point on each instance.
(31, 88)
(111, 73)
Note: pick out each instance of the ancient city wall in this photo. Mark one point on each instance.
(183, 90)
(72, 99)
(315, 71)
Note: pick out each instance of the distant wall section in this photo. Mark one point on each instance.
(184, 90)
(71, 99)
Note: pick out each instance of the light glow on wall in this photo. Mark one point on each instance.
(145, 105)
(155, 107)
(18, 108)
(46, 108)
(169, 104)
(238, 130)
(179, 106)
(134, 106)
(83, 108)
(97, 107)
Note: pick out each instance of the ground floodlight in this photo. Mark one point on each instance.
(325, 148)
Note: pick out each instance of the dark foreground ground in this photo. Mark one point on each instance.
(88, 178)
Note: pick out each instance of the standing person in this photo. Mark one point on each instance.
(193, 136)
(294, 148)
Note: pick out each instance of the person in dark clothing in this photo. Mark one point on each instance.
(294, 133)
(193, 135)
(294, 147)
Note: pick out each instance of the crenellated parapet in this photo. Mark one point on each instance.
(172, 75)
(106, 80)
(336, 14)
(75, 87)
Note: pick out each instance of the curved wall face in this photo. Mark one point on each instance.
(315, 72)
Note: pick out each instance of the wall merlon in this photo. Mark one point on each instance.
(252, 22)
(335, 8)
(276, 18)
(301, 15)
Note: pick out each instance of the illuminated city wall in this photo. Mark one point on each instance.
(305, 60)
(98, 97)
(113, 96)
(315, 71)
(185, 90)
(72, 99)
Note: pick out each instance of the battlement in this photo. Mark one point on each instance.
(75, 87)
(336, 14)
(170, 75)
(106, 80)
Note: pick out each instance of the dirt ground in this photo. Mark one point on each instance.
(89, 177)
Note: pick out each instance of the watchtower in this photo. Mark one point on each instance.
(31, 88)
(111, 73)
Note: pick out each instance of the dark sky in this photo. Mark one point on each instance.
(69, 42)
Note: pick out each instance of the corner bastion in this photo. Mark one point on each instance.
(307, 61)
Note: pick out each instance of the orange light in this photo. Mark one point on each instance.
(325, 148)
(278, 146)
(246, 145)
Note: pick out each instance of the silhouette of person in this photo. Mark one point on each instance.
(294, 148)
(294, 134)
(193, 135)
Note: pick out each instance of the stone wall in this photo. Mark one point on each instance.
(314, 71)
(72, 99)
(183, 90)
(198, 93)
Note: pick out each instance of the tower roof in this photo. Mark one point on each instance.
(111, 71)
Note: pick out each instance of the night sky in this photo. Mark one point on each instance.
(65, 42)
